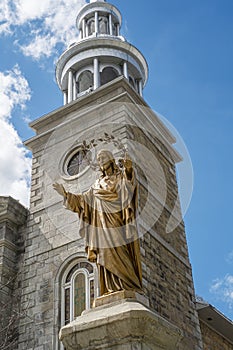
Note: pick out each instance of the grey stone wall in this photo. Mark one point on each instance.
(167, 272)
(13, 218)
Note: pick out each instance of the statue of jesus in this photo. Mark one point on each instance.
(108, 224)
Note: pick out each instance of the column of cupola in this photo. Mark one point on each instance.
(71, 93)
(86, 29)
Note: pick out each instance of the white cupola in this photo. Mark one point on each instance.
(100, 55)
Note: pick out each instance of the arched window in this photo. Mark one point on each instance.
(78, 291)
(114, 29)
(131, 81)
(108, 74)
(103, 25)
(91, 25)
(85, 81)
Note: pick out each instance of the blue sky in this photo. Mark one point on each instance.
(189, 49)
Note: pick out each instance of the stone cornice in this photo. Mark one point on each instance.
(9, 245)
(101, 42)
(86, 101)
(97, 99)
(11, 210)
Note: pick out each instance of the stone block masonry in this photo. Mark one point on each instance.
(13, 217)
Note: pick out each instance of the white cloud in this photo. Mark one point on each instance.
(14, 90)
(45, 24)
(223, 289)
(42, 45)
(15, 165)
(28, 10)
(6, 17)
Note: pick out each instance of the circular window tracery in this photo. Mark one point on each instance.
(75, 162)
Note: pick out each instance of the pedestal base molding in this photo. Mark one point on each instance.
(121, 325)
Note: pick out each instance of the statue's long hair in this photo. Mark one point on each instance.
(110, 157)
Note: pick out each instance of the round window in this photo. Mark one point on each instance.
(77, 162)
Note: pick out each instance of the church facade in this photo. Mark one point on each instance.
(47, 280)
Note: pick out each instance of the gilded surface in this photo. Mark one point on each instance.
(108, 224)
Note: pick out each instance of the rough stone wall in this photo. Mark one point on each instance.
(213, 340)
(38, 328)
(168, 284)
(167, 272)
(12, 230)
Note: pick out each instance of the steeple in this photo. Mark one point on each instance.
(100, 55)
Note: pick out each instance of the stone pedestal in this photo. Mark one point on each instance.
(121, 295)
(120, 324)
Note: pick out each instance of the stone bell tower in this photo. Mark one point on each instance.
(102, 77)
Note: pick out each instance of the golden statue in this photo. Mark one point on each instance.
(108, 224)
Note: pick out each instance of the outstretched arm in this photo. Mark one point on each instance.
(72, 201)
(127, 163)
(60, 189)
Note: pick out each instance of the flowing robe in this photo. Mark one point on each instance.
(108, 212)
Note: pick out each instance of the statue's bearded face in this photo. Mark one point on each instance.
(104, 160)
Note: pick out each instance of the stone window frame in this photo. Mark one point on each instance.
(110, 65)
(89, 68)
(89, 23)
(66, 158)
(132, 82)
(62, 271)
(71, 286)
(80, 71)
(114, 67)
(105, 20)
(91, 85)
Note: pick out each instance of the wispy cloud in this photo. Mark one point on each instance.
(229, 258)
(15, 164)
(45, 24)
(222, 288)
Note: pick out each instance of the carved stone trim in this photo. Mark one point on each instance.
(118, 326)
(9, 245)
